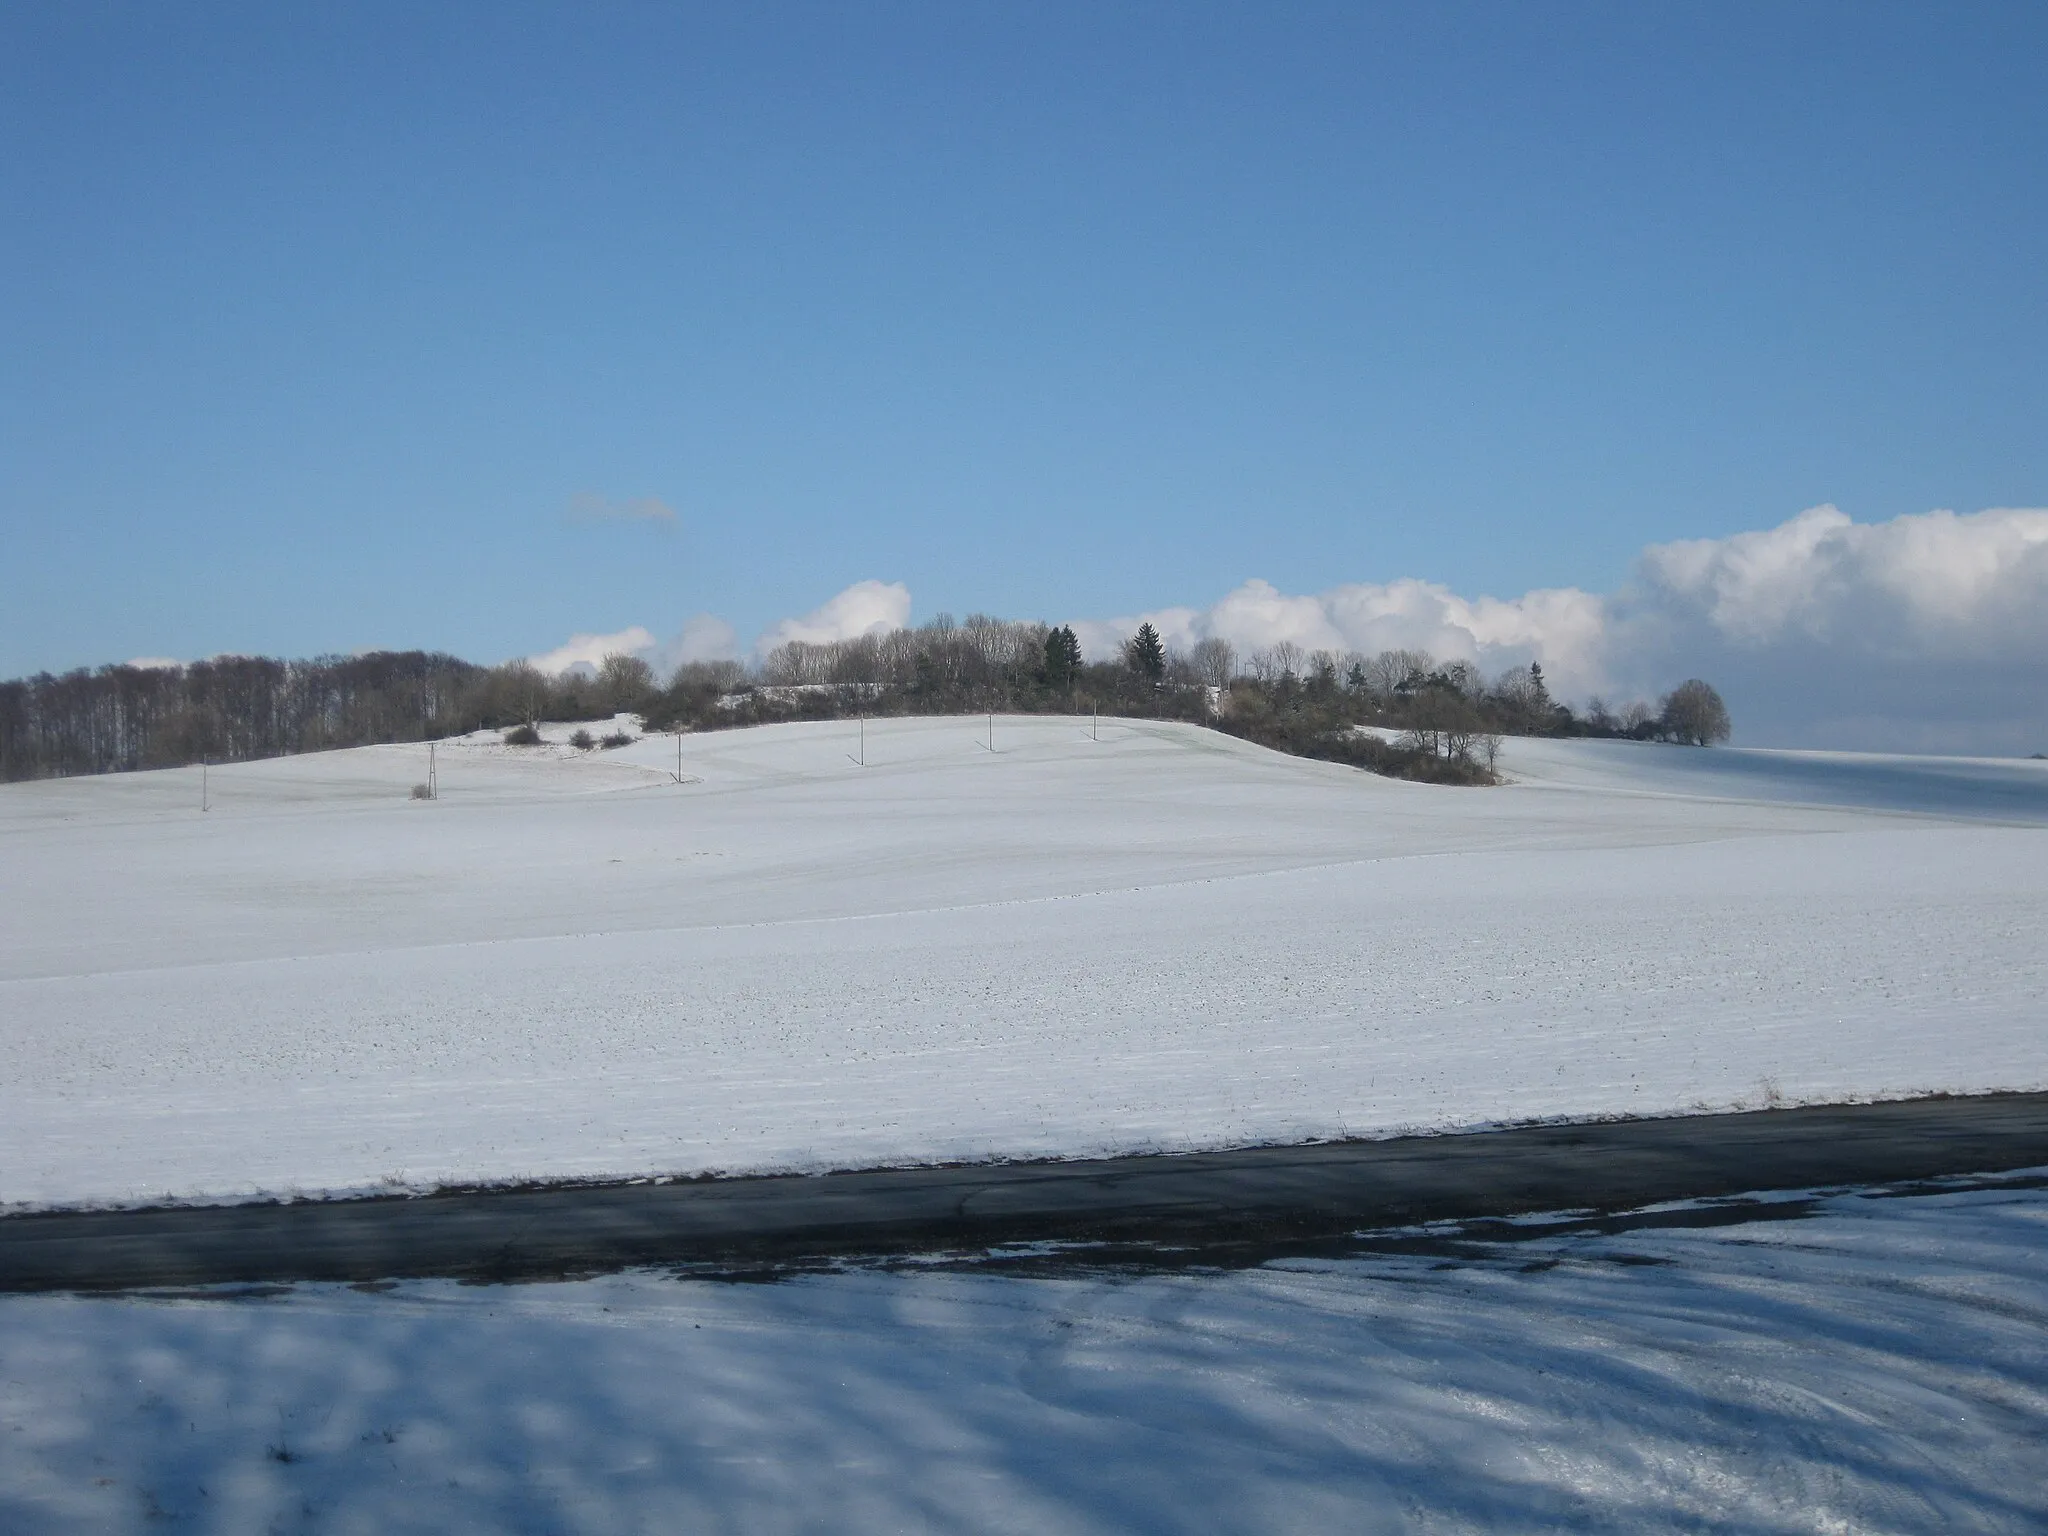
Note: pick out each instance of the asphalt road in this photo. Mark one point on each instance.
(1251, 1201)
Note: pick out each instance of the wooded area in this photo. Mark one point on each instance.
(1430, 719)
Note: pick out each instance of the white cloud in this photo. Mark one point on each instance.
(865, 608)
(1560, 628)
(588, 651)
(1927, 632)
(1918, 586)
(705, 638)
(1924, 633)
(154, 663)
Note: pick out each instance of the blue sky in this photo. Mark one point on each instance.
(317, 324)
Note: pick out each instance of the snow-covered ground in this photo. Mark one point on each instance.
(572, 965)
(1879, 1365)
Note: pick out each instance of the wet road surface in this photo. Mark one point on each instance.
(1213, 1206)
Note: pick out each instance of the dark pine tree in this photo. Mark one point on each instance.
(1145, 654)
(1062, 657)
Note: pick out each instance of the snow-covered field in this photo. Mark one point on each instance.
(572, 965)
(1879, 1365)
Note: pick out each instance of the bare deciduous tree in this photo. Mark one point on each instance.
(1386, 672)
(1518, 689)
(1693, 713)
(721, 676)
(1213, 661)
(1444, 721)
(1462, 677)
(624, 682)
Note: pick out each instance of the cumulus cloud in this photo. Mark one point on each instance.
(705, 638)
(1562, 628)
(1933, 585)
(589, 507)
(865, 608)
(1924, 633)
(588, 651)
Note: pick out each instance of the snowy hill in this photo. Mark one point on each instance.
(571, 964)
(1966, 788)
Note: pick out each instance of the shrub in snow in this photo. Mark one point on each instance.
(616, 739)
(421, 792)
(581, 741)
(522, 736)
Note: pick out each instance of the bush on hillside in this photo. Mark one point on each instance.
(522, 736)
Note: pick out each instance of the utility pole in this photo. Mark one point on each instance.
(202, 785)
(433, 775)
(991, 734)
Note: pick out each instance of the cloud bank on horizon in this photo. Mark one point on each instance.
(1925, 633)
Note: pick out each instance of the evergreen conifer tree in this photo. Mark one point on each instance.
(1062, 657)
(1145, 654)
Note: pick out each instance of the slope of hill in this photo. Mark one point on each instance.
(572, 965)
(1966, 788)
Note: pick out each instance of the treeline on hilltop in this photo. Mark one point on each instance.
(1434, 720)
(231, 708)
(1427, 719)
